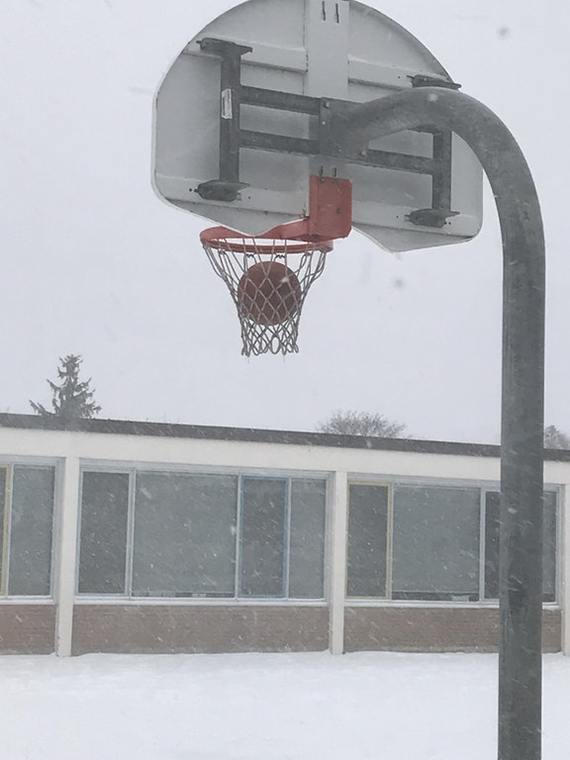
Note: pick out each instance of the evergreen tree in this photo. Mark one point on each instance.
(369, 424)
(72, 398)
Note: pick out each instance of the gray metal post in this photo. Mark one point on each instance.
(523, 380)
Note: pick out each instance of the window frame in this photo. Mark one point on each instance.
(131, 537)
(239, 534)
(132, 470)
(327, 549)
(431, 596)
(388, 485)
(484, 487)
(6, 531)
(8, 464)
(130, 517)
(548, 488)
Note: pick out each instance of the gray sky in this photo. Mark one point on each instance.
(94, 263)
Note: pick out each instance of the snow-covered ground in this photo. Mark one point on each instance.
(263, 707)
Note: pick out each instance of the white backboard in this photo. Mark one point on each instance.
(338, 49)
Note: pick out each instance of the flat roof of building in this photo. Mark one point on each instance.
(255, 435)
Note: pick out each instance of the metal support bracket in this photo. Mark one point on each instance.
(422, 80)
(431, 217)
(220, 190)
(326, 141)
(440, 212)
(227, 186)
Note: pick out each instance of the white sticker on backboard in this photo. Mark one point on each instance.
(227, 110)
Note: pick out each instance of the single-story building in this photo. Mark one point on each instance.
(121, 536)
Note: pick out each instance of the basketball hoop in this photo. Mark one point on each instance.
(269, 276)
(268, 279)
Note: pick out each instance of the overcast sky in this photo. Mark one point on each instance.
(94, 263)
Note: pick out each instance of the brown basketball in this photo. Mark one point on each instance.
(269, 293)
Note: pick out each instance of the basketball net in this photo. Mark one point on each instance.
(269, 276)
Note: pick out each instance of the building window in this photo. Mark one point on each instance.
(184, 539)
(282, 538)
(307, 539)
(26, 530)
(177, 535)
(436, 543)
(367, 541)
(432, 543)
(103, 543)
(492, 502)
(3, 520)
(263, 533)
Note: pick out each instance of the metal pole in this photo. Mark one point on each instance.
(523, 380)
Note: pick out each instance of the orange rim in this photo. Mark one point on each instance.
(225, 239)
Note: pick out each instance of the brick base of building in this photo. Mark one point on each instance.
(27, 629)
(432, 629)
(199, 629)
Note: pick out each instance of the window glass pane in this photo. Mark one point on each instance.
(185, 535)
(307, 549)
(262, 548)
(367, 526)
(436, 543)
(3, 479)
(103, 544)
(549, 547)
(492, 511)
(31, 531)
(492, 546)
